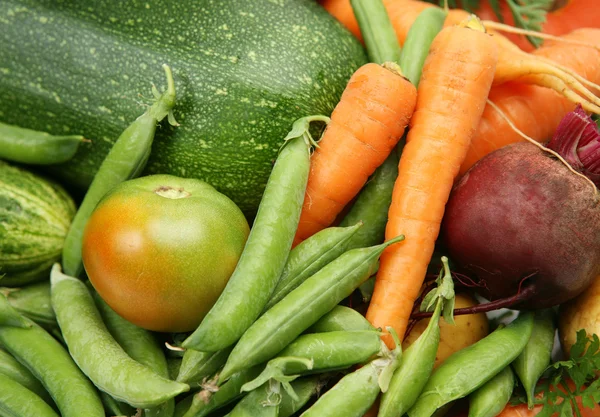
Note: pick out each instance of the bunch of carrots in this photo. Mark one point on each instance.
(452, 125)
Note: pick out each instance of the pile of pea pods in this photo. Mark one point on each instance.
(277, 342)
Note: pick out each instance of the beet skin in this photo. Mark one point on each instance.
(517, 212)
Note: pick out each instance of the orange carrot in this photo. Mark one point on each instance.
(520, 410)
(342, 11)
(536, 111)
(365, 126)
(516, 65)
(513, 64)
(404, 12)
(574, 15)
(454, 87)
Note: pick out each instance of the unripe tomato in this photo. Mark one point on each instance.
(160, 249)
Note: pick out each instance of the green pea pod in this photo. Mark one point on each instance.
(317, 353)
(10, 317)
(33, 301)
(28, 146)
(301, 308)
(341, 318)
(98, 354)
(311, 255)
(303, 261)
(325, 351)
(418, 40)
(377, 30)
(114, 407)
(204, 402)
(126, 160)
(197, 366)
(468, 369)
(417, 362)
(304, 388)
(413, 372)
(372, 205)
(535, 358)
(491, 398)
(174, 365)
(141, 345)
(18, 401)
(50, 363)
(12, 369)
(334, 350)
(182, 407)
(261, 402)
(267, 248)
(352, 396)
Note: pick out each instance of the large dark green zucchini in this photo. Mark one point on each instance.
(244, 70)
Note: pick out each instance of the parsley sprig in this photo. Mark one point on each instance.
(558, 396)
(527, 14)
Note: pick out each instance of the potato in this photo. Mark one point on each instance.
(468, 330)
(581, 313)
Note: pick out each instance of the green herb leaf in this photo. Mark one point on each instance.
(581, 367)
(527, 14)
(566, 409)
(591, 395)
(530, 15)
(495, 4)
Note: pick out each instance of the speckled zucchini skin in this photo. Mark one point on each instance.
(244, 71)
(35, 215)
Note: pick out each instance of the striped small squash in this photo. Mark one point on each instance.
(35, 214)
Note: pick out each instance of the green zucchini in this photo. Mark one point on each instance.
(245, 70)
(35, 214)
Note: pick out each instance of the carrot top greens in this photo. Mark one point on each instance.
(559, 397)
(528, 14)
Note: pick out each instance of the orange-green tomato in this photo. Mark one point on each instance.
(160, 249)
(469, 328)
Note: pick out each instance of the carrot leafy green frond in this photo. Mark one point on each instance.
(530, 15)
(559, 398)
(527, 14)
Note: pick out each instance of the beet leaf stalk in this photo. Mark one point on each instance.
(577, 140)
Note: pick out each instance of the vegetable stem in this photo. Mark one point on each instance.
(522, 296)
(377, 30)
(577, 140)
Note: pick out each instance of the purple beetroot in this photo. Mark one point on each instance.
(522, 223)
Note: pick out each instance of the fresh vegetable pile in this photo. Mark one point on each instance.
(414, 245)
